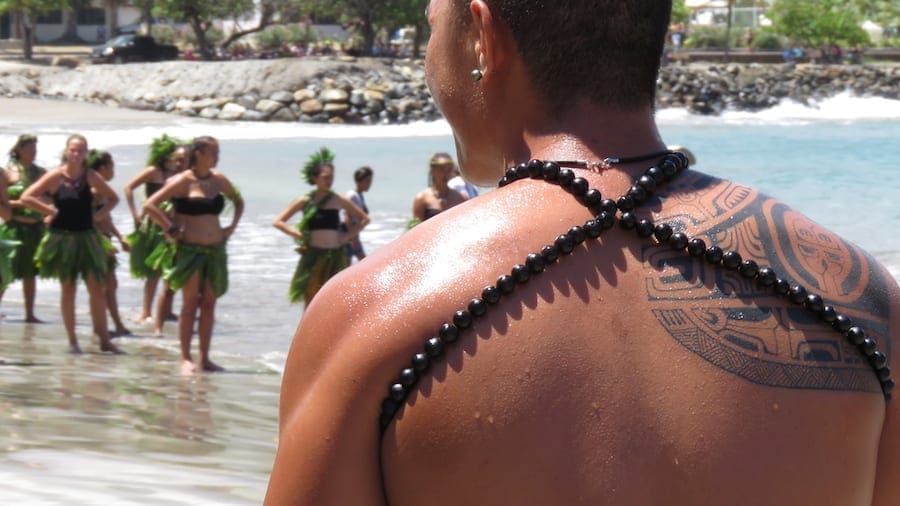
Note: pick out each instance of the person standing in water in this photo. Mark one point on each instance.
(363, 178)
(25, 226)
(102, 162)
(321, 240)
(72, 246)
(166, 159)
(438, 196)
(195, 260)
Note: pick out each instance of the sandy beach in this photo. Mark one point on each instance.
(29, 111)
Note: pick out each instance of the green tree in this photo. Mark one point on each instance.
(883, 12)
(367, 17)
(817, 23)
(681, 13)
(26, 11)
(402, 13)
(200, 14)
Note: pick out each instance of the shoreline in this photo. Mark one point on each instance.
(377, 91)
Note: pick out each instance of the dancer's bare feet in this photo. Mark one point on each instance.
(188, 367)
(111, 348)
(74, 349)
(210, 366)
(171, 317)
(33, 319)
(119, 332)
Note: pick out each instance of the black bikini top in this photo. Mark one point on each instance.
(150, 188)
(325, 219)
(74, 204)
(196, 206)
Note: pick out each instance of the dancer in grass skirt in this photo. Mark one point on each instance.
(102, 162)
(195, 261)
(320, 233)
(25, 228)
(72, 247)
(167, 158)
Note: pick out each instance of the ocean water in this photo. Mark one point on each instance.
(129, 430)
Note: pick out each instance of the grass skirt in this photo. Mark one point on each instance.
(179, 261)
(144, 242)
(7, 250)
(28, 235)
(316, 266)
(66, 255)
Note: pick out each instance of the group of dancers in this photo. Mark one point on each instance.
(57, 224)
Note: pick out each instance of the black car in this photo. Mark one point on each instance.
(131, 47)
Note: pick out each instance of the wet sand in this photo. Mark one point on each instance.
(104, 429)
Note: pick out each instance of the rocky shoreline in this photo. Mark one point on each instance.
(381, 91)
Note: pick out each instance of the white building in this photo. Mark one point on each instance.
(91, 24)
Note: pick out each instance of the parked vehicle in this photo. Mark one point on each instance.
(131, 47)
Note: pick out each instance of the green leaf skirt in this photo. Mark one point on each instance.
(67, 255)
(178, 262)
(316, 266)
(144, 242)
(7, 250)
(28, 235)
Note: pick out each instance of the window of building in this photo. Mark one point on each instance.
(91, 16)
(50, 18)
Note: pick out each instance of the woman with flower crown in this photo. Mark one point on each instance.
(319, 233)
(167, 158)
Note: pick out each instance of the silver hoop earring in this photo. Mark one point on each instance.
(476, 75)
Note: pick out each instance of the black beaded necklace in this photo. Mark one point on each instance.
(606, 212)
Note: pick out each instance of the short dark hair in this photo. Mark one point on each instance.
(362, 173)
(604, 51)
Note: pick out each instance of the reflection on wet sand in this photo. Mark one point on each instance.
(206, 438)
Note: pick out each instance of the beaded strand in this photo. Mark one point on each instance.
(605, 212)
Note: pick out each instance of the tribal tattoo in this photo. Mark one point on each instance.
(732, 323)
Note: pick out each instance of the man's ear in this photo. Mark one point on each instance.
(491, 44)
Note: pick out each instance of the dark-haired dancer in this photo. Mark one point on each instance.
(438, 196)
(25, 226)
(196, 262)
(606, 326)
(363, 179)
(319, 233)
(73, 247)
(166, 159)
(102, 162)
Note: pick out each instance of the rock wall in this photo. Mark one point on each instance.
(377, 91)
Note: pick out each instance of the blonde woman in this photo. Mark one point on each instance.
(72, 247)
